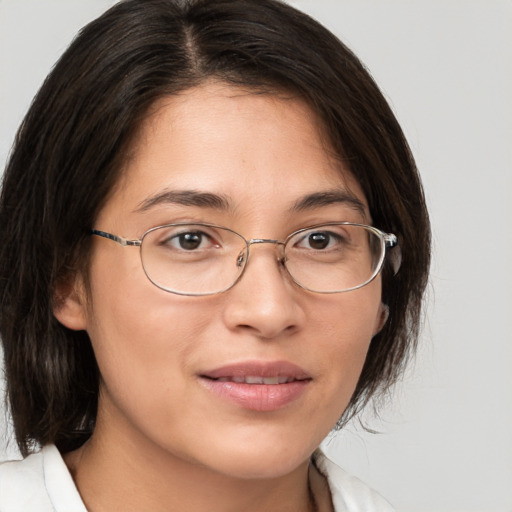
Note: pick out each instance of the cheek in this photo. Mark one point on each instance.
(145, 354)
(345, 328)
(142, 337)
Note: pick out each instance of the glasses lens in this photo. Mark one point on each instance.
(193, 259)
(335, 257)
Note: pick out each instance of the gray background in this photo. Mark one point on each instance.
(445, 442)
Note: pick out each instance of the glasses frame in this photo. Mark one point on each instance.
(387, 240)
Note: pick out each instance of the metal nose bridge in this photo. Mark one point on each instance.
(278, 243)
(264, 241)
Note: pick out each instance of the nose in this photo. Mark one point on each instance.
(265, 300)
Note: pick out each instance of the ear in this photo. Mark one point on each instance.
(69, 303)
(381, 319)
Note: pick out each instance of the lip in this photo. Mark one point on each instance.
(282, 383)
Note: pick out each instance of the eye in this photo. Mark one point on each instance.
(320, 240)
(190, 241)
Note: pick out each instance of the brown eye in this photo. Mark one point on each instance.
(319, 240)
(189, 241)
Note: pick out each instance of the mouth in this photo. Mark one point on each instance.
(254, 379)
(258, 386)
(258, 372)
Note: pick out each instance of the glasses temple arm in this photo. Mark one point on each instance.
(119, 239)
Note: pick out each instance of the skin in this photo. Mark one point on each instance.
(163, 441)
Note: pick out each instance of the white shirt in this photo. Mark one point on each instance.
(42, 483)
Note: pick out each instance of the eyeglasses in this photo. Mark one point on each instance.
(205, 259)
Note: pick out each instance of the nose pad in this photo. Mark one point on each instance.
(242, 258)
(281, 258)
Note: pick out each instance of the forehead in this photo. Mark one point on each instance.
(257, 151)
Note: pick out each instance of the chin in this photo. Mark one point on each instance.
(262, 468)
(261, 462)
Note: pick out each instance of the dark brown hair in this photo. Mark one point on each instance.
(69, 151)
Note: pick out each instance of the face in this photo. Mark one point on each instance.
(168, 362)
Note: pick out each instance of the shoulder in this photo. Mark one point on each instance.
(38, 483)
(22, 485)
(349, 494)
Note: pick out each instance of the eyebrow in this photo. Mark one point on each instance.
(185, 198)
(222, 203)
(327, 198)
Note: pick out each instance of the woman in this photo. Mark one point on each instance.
(214, 249)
